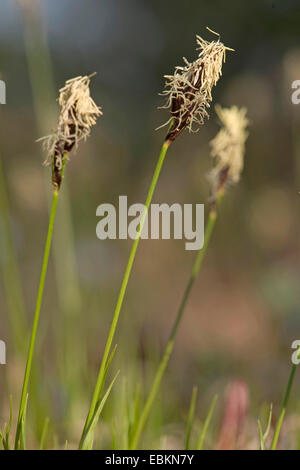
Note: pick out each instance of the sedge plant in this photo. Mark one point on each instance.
(69, 297)
(227, 149)
(188, 96)
(77, 115)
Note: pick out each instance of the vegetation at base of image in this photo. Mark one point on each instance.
(119, 409)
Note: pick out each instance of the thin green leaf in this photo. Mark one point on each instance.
(206, 423)
(125, 416)
(190, 417)
(23, 426)
(136, 412)
(88, 439)
(108, 363)
(109, 360)
(263, 436)
(44, 433)
(2, 439)
(7, 428)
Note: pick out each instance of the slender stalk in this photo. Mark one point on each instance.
(37, 312)
(19, 326)
(190, 419)
(206, 423)
(283, 407)
(170, 344)
(102, 370)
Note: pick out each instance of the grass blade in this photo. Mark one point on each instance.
(44, 433)
(206, 423)
(102, 369)
(136, 412)
(23, 426)
(4, 435)
(263, 436)
(170, 344)
(88, 438)
(190, 417)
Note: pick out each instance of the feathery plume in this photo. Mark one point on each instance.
(228, 147)
(78, 114)
(189, 90)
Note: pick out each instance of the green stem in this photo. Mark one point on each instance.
(170, 344)
(37, 312)
(102, 370)
(283, 407)
(190, 418)
(206, 423)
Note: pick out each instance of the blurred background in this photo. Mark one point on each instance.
(244, 310)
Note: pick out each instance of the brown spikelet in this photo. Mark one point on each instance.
(228, 148)
(77, 115)
(189, 90)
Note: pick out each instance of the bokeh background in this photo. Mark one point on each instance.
(244, 310)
